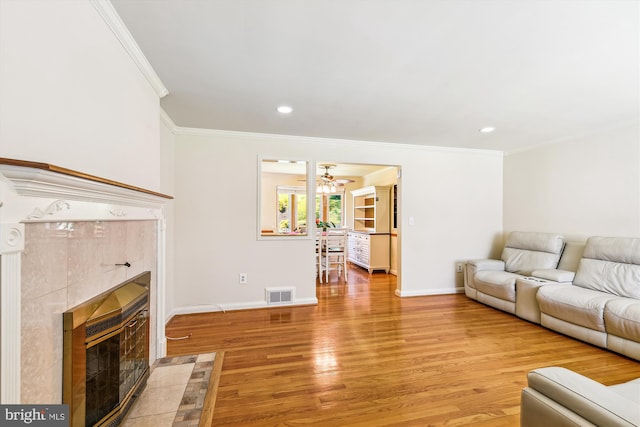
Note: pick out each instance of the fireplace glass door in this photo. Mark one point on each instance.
(114, 367)
(103, 366)
(133, 357)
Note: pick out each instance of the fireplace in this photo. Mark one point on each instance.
(106, 353)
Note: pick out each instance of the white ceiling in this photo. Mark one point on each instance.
(426, 72)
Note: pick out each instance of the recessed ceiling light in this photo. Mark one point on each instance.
(487, 129)
(284, 109)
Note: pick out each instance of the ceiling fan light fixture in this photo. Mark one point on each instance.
(284, 109)
(326, 182)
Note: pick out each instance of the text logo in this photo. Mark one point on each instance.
(34, 415)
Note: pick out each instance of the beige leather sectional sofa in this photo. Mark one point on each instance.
(590, 292)
(556, 396)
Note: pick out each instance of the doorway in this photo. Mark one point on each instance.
(338, 206)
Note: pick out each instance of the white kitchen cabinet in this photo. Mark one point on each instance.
(369, 250)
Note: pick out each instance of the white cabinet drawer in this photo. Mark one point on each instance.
(370, 251)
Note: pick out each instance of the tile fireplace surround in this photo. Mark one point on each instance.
(63, 265)
(62, 236)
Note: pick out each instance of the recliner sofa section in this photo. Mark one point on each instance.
(556, 396)
(602, 304)
(529, 259)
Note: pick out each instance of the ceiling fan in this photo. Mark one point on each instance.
(327, 183)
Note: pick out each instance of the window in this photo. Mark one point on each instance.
(283, 202)
(292, 210)
(330, 208)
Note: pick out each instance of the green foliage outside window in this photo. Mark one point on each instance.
(334, 211)
(335, 208)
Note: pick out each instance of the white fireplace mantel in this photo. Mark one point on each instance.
(40, 192)
(43, 192)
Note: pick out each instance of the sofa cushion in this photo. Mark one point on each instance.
(618, 249)
(540, 242)
(500, 284)
(583, 307)
(611, 265)
(527, 251)
(622, 318)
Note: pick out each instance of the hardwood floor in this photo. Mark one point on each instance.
(365, 357)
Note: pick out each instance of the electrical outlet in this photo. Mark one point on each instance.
(459, 266)
(243, 278)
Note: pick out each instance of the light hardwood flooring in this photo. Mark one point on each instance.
(365, 357)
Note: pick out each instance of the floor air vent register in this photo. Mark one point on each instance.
(106, 353)
(279, 295)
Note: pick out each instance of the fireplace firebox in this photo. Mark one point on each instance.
(106, 353)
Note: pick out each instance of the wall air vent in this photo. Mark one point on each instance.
(276, 296)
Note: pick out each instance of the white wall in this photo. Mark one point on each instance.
(453, 196)
(71, 96)
(582, 187)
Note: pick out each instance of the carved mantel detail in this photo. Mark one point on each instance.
(11, 238)
(52, 209)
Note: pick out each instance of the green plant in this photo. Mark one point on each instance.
(325, 224)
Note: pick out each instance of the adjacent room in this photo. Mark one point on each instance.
(174, 175)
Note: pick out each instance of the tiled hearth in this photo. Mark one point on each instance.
(175, 393)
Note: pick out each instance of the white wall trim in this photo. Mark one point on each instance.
(168, 122)
(427, 292)
(161, 298)
(11, 247)
(114, 22)
(211, 308)
(604, 129)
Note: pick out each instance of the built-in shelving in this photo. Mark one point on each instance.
(369, 241)
(371, 209)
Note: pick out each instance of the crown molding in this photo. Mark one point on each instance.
(168, 122)
(107, 12)
(632, 124)
(272, 137)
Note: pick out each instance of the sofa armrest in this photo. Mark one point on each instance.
(589, 399)
(561, 276)
(486, 264)
(537, 410)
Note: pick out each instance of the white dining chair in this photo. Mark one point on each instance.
(334, 252)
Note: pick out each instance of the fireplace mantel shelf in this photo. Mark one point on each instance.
(75, 174)
(35, 179)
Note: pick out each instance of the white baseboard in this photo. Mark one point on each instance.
(426, 292)
(210, 308)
